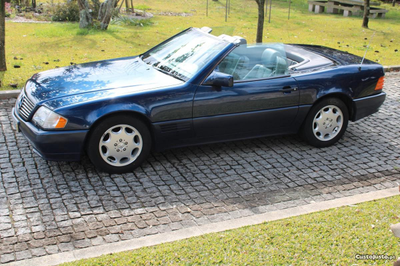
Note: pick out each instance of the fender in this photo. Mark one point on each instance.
(83, 116)
(316, 85)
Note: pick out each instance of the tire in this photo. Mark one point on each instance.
(119, 144)
(326, 123)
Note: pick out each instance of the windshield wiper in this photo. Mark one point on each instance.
(161, 69)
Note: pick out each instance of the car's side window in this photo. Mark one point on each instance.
(256, 62)
(272, 63)
(235, 65)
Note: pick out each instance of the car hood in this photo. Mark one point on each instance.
(129, 74)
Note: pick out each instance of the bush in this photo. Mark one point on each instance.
(28, 15)
(66, 12)
(8, 9)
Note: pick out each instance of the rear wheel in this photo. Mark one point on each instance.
(326, 123)
(119, 144)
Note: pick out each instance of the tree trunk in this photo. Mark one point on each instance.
(3, 66)
(127, 6)
(260, 23)
(96, 6)
(34, 4)
(85, 18)
(393, 3)
(105, 13)
(366, 14)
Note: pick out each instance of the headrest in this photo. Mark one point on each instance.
(269, 57)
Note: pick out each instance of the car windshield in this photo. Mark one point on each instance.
(184, 55)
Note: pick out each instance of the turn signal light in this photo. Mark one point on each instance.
(380, 83)
(61, 122)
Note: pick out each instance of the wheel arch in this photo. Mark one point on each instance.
(306, 129)
(341, 96)
(135, 114)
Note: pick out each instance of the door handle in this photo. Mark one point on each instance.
(288, 89)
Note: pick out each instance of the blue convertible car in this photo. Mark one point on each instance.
(191, 89)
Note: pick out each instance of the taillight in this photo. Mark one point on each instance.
(379, 84)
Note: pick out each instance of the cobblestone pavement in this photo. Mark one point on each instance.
(52, 207)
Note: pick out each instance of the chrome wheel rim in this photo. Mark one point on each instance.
(120, 145)
(327, 123)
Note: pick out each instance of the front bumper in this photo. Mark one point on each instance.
(367, 105)
(52, 145)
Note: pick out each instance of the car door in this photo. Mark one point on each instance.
(249, 108)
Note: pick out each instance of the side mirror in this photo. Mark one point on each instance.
(219, 79)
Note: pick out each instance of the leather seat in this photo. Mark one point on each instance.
(281, 66)
(272, 64)
(265, 69)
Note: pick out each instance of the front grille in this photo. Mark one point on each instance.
(26, 107)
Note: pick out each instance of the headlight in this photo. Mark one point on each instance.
(47, 119)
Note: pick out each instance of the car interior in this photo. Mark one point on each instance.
(258, 61)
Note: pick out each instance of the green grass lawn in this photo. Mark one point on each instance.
(332, 237)
(37, 47)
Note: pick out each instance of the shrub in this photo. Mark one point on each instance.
(28, 15)
(8, 9)
(66, 12)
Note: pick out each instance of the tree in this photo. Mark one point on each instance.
(105, 11)
(85, 18)
(366, 14)
(3, 66)
(393, 3)
(260, 22)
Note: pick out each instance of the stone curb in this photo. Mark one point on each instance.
(9, 94)
(152, 240)
(14, 93)
(391, 68)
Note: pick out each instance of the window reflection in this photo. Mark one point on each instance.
(184, 55)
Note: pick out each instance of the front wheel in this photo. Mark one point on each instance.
(119, 144)
(326, 123)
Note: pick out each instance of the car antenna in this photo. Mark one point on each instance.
(366, 50)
